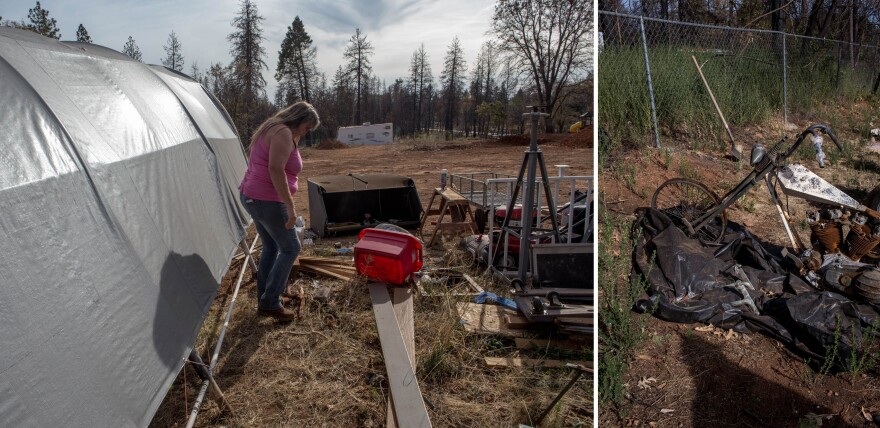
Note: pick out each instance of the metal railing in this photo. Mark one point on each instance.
(474, 186)
(648, 82)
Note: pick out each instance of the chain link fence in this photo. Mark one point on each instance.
(649, 84)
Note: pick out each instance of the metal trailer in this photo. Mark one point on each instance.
(474, 187)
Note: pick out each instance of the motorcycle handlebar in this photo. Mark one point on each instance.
(815, 130)
(825, 130)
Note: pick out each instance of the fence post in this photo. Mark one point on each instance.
(650, 84)
(837, 78)
(784, 81)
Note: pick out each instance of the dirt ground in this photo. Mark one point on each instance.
(326, 369)
(690, 375)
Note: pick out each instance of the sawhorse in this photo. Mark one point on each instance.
(456, 206)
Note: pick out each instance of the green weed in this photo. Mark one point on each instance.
(832, 351)
(667, 158)
(686, 170)
(620, 331)
(629, 177)
(746, 203)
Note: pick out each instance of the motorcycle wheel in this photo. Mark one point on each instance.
(684, 201)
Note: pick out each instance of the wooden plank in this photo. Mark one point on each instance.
(450, 195)
(516, 321)
(473, 284)
(530, 362)
(336, 268)
(337, 260)
(409, 406)
(403, 311)
(326, 272)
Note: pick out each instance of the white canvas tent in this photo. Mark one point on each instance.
(119, 216)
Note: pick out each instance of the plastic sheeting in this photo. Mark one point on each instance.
(119, 218)
(742, 286)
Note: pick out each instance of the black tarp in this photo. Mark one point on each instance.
(743, 286)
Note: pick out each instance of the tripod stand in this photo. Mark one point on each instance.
(532, 158)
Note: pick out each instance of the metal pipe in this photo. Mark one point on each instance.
(571, 212)
(197, 405)
(650, 84)
(528, 198)
(577, 375)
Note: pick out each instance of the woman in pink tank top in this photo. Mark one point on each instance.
(267, 193)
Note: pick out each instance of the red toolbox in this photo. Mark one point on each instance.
(387, 256)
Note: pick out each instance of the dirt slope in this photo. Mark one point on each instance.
(688, 375)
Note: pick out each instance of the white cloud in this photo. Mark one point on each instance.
(396, 28)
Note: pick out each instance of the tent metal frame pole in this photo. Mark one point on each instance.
(197, 405)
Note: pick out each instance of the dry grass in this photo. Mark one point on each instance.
(326, 369)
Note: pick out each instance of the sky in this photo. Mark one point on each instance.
(396, 28)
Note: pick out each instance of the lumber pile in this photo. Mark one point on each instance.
(335, 267)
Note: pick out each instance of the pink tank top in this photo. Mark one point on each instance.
(257, 183)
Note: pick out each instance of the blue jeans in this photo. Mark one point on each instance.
(280, 248)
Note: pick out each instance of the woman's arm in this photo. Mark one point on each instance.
(280, 147)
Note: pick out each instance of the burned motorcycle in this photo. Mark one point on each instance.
(844, 233)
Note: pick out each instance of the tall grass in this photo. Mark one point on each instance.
(746, 80)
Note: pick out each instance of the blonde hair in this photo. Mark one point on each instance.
(292, 117)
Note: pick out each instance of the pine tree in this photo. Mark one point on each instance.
(131, 49)
(296, 62)
(452, 80)
(40, 23)
(358, 69)
(195, 73)
(82, 35)
(482, 79)
(248, 64)
(173, 56)
(419, 77)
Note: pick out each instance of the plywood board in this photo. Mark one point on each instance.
(487, 319)
(409, 406)
(403, 310)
